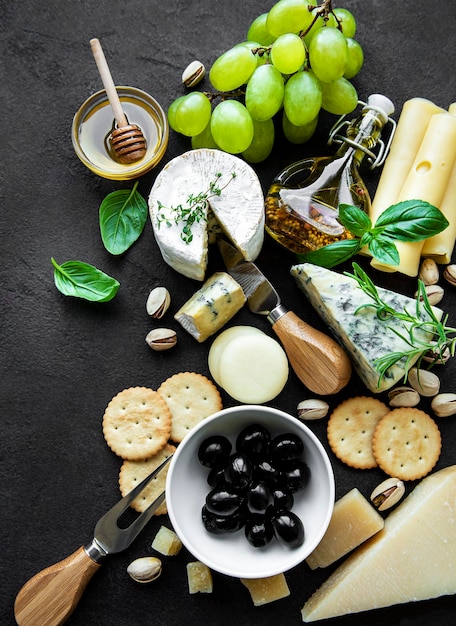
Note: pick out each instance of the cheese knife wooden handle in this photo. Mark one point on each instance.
(318, 361)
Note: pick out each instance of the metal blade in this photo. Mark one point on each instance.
(261, 296)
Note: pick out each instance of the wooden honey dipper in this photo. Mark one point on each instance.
(127, 140)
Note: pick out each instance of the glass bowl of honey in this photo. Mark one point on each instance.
(94, 122)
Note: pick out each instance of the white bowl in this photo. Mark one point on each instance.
(232, 554)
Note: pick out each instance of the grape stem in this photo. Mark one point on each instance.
(323, 11)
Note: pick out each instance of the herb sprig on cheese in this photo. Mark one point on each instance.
(418, 325)
(194, 209)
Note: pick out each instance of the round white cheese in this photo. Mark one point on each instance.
(219, 344)
(238, 208)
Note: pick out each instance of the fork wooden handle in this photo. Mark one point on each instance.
(318, 361)
(49, 598)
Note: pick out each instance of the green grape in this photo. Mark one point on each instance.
(355, 58)
(328, 54)
(262, 142)
(339, 97)
(204, 139)
(298, 134)
(232, 69)
(193, 113)
(258, 31)
(264, 92)
(289, 16)
(261, 54)
(302, 98)
(232, 126)
(172, 113)
(288, 53)
(347, 21)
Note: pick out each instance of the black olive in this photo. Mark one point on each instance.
(258, 530)
(253, 441)
(286, 446)
(282, 499)
(239, 470)
(294, 475)
(218, 525)
(214, 451)
(258, 497)
(288, 528)
(216, 477)
(267, 472)
(224, 500)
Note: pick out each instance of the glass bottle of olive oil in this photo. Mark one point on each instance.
(302, 203)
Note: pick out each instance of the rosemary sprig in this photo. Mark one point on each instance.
(194, 210)
(423, 321)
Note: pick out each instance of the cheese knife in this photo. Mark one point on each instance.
(50, 596)
(317, 359)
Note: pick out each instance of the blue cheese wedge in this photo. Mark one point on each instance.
(210, 308)
(362, 334)
(238, 210)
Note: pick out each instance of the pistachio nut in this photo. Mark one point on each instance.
(158, 302)
(434, 294)
(193, 74)
(161, 339)
(444, 404)
(426, 383)
(403, 396)
(449, 274)
(387, 494)
(145, 569)
(312, 409)
(437, 356)
(429, 272)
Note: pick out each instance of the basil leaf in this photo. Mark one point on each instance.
(354, 219)
(123, 215)
(82, 280)
(411, 220)
(384, 250)
(332, 254)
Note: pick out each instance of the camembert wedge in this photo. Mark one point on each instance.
(238, 209)
(364, 336)
(413, 558)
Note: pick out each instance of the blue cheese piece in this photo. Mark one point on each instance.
(210, 308)
(238, 209)
(362, 334)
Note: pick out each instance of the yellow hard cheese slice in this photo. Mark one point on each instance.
(354, 520)
(412, 558)
(266, 590)
(234, 198)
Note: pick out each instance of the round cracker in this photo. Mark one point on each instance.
(350, 429)
(190, 397)
(133, 472)
(406, 443)
(137, 423)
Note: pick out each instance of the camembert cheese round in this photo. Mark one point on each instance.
(234, 198)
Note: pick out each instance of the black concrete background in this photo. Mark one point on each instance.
(63, 359)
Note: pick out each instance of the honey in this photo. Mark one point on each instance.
(94, 122)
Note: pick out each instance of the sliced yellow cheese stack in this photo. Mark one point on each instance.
(413, 558)
(354, 520)
(427, 180)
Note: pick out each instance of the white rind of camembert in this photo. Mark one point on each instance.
(412, 558)
(238, 210)
(364, 336)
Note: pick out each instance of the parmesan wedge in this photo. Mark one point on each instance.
(413, 558)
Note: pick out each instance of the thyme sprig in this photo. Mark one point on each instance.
(425, 333)
(195, 208)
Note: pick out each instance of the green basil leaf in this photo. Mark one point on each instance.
(82, 280)
(384, 250)
(123, 215)
(333, 254)
(354, 219)
(411, 220)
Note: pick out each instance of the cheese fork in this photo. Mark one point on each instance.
(49, 597)
(318, 361)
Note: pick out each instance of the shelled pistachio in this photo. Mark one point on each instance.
(429, 272)
(444, 404)
(160, 339)
(388, 493)
(403, 396)
(146, 569)
(425, 382)
(158, 302)
(312, 409)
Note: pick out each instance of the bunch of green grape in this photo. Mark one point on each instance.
(297, 59)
